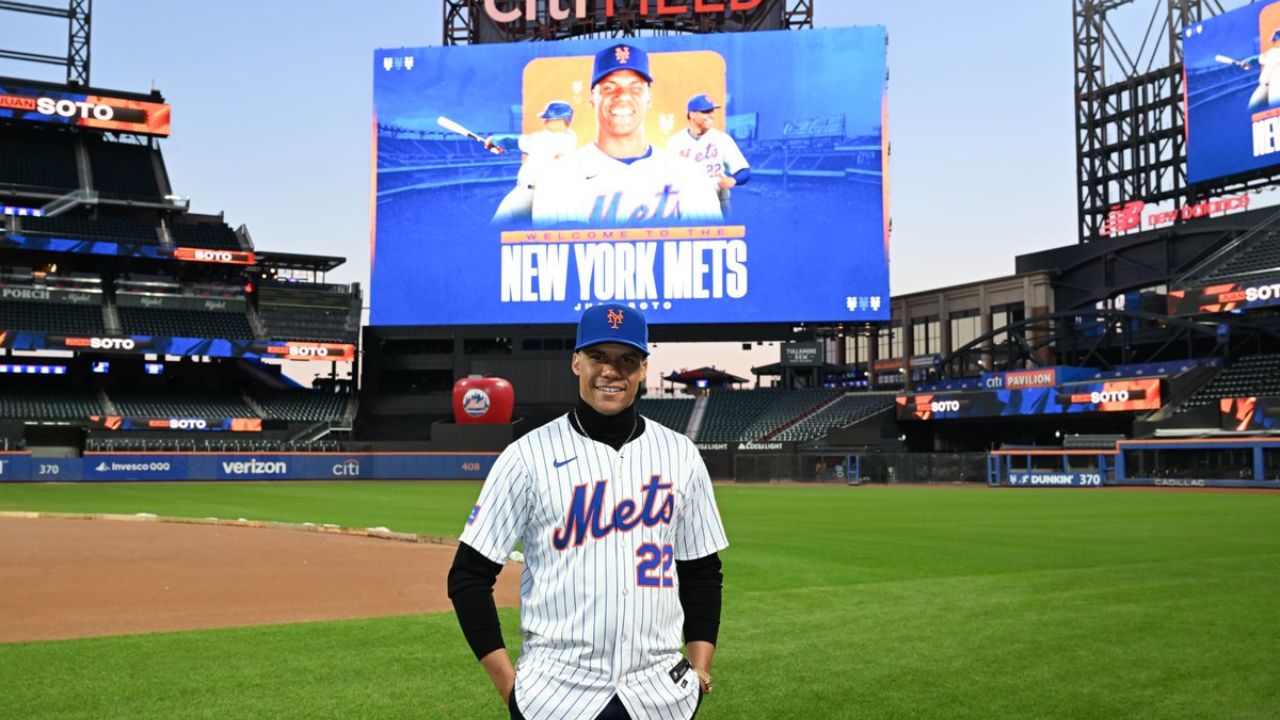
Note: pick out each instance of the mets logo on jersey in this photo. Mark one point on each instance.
(623, 54)
(476, 402)
(614, 318)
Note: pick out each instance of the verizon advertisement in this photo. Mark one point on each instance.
(101, 112)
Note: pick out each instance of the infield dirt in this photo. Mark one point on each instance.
(63, 578)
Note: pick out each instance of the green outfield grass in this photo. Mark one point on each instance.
(840, 602)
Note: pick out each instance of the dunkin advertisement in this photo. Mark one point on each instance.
(698, 178)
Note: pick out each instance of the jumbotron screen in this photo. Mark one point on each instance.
(722, 178)
(1232, 66)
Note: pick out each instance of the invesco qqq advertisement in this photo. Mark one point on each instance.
(1233, 92)
(703, 179)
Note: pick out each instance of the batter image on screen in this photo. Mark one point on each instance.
(620, 178)
(711, 148)
(555, 141)
(621, 535)
(1267, 93)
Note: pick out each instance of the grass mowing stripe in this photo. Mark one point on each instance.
(869, 603)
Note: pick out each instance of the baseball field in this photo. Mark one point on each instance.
(869, 602)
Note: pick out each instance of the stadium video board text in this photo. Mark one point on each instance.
(1232, 64)
(596, 190)
(70, 106)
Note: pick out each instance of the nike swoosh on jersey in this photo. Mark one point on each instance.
(562, 463)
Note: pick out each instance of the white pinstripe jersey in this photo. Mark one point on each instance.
(599, 604)
(714, 151)
(592, 188)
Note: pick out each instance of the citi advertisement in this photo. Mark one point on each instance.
(1107, 396)
(103, 112)
(1232, 64)
(700, 179)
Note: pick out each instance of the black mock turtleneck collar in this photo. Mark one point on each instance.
(612, 430)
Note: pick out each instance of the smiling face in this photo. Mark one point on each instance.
(609, 376)
(700, 122)
(621, 100)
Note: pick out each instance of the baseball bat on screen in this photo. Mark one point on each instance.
(452, 126)
(1230, 61)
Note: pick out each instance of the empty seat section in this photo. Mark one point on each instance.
(319, 313)
(52, 318)
(302, 405)
(122, 170)
(785, 408)
(848, 409)
(1255, 259)
(49, 404)
(38, 161)
(673, 413)
(181, 404)
(185, 323)
(216, 236)
(122, 230)
(730, 412)
(1249, 376)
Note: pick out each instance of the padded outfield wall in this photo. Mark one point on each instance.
(170, 467)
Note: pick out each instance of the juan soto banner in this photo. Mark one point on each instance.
(83, 108)
(713, 178)
(1104, 396)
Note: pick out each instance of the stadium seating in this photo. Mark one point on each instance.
(848, 409)
(185, 323)
(784, 409)
(112, 229)
(123, 170)
(47, 405)
(299, 311)
(181, 404)
(673, 413)
(302, 405)
(220, 443)
(38, 161)
(52, 318)
(1249, 376)
(1258, 258)
(216, 236)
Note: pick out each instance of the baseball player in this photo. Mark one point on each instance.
(713, 150)
(556, 140)
(620, 532)
(620, 179)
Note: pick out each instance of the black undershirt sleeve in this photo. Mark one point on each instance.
(701, 588)
(471, 581)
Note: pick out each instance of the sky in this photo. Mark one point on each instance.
(272, 103)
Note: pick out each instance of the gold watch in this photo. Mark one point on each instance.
(704, 677)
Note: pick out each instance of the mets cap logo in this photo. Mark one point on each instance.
(476, 402)
(614, 318)
(622, 53)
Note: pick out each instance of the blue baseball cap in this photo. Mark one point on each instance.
(613, 323)
(557, 110)
(620, 57)
(702, 103)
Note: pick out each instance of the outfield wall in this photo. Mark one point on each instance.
(177, 467)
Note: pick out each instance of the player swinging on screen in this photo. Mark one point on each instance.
(621, 534)
(713, 150)
(555, 141)
(620, 179)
